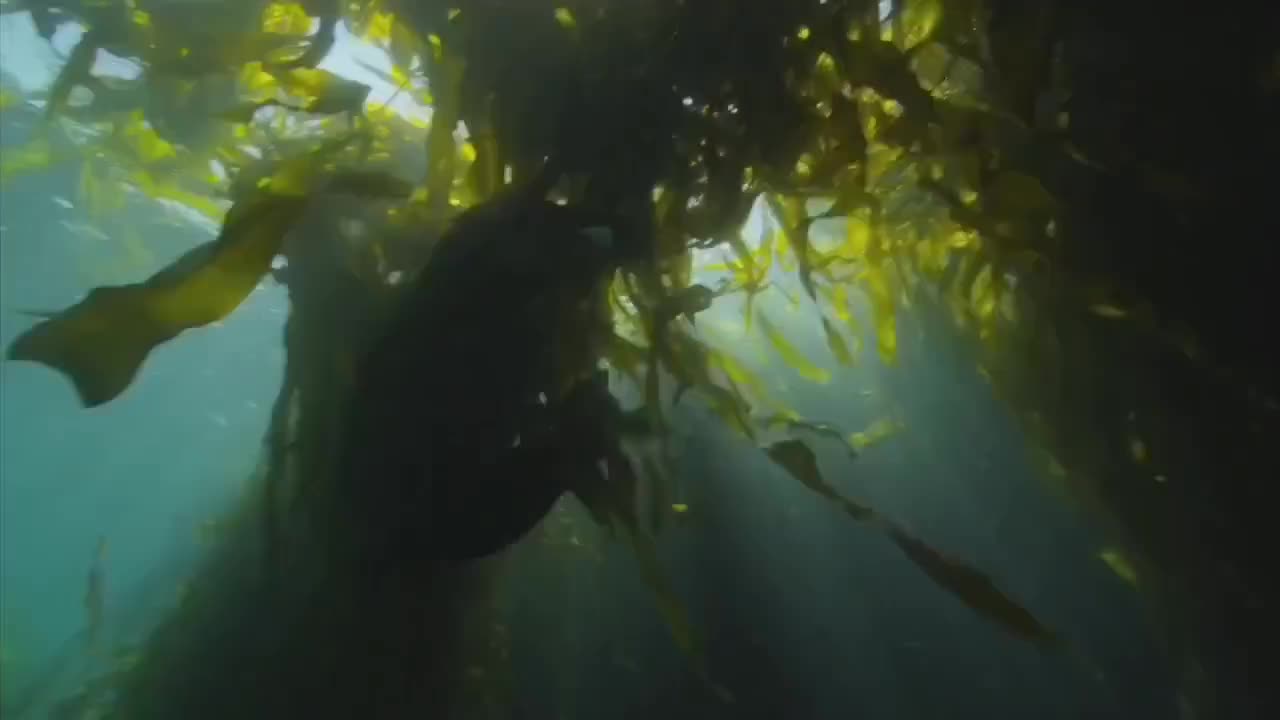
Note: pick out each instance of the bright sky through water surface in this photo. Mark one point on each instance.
(29, 59)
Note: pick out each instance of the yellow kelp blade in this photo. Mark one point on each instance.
(882, 308)
(90, 345)
(796, 425)
(790, 212)
(790, 354)
(485, 174)
(100, 342)
(1120, 565)
(835, 342)
(878, 431)
(324, 92)
(739, 374)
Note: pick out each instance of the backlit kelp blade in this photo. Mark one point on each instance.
(101, 342)
(792, 356)
(971, 586)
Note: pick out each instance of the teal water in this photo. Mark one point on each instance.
(144, 473)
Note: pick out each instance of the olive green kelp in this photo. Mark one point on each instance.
(102, 341)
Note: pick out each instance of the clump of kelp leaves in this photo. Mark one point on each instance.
(939, 139)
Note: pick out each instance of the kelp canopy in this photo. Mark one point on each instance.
(1082, 187)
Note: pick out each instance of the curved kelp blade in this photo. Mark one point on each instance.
(798, 460)
(839, 348)
(789, 353)
(971, 586)
(796, 425)
(974, 588)
(100, 342)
